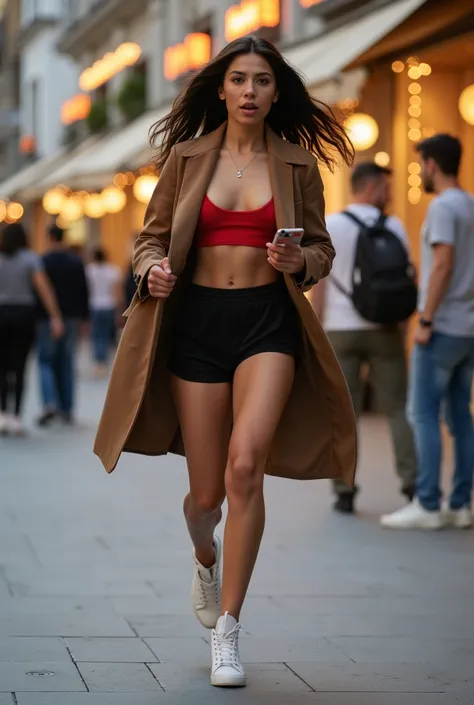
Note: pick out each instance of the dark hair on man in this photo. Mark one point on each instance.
(445, 150)
(98, 255)
(365, 172)
(13, 239)
(56, 233)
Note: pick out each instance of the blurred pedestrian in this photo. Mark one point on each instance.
(105, 302)
(21, 275)
(357, 340)
(56, 356)
(443, 354)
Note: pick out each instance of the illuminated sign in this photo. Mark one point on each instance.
(249, 16)
(77, 108)
(112, 63)
(191, 54)
(27, 144)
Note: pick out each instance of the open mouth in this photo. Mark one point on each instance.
(249, 108)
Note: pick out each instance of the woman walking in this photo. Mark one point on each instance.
(21, 277)
(222, 359)
(105, 297)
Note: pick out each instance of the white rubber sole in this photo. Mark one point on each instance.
(234, 682)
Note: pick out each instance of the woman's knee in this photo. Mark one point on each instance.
(244, 474)
(206, 502)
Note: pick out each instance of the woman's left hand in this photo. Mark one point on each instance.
(286, 258)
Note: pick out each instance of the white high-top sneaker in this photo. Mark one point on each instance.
(413, 516)
(459, 518)
(15, 426)
(206, 589)
(227, 670)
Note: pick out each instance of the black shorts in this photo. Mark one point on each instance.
(217, 329)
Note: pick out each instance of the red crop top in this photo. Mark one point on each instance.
(218, 226)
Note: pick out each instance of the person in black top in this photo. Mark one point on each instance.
(56, 357)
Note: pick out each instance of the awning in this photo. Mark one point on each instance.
(25, 184)
(92, 167)
(323, 59)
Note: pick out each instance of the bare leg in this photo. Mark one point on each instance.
(262, 385)
(205, 416)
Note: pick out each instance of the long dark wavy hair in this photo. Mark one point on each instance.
(296, 116)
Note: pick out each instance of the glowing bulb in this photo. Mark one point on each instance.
(414, 168)
(382, 159)
(414, 180)
(414, 135)
(414, 195)
(414, 111)
(398, 66)
(414, 88)
(363, 131)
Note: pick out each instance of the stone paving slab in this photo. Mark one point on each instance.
(125, 650)
(118, 678)
(16, 677)
(245, 697)
(262, 678)
(180, 650)
(385, 678)
(406, 650)
(20, 649)
(86, 624)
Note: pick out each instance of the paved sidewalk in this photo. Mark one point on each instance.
(95, 574)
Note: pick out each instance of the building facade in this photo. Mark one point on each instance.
(396, 70)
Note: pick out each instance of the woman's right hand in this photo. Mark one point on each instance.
(160, 280)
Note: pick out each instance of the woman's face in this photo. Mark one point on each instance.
(249, 89)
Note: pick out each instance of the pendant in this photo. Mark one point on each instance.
(239, 174)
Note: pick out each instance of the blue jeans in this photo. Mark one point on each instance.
(56, 365)
(102, 333)
(441, 382)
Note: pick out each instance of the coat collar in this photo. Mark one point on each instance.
(283, 150)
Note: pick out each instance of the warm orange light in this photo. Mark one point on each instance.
(191, 54)
(27, 144)
(250, 16)
(112, 63)
(76, 108)
(309, 3)
(14, 211)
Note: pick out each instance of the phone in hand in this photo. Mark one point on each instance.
(288, 236)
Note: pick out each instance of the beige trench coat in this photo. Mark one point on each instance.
(316, 437)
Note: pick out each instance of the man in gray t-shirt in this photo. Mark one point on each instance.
(443, 355)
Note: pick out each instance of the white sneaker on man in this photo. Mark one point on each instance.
(227, 670)
(3, 423)
(414, 516)
(459, 518)
(206, 589)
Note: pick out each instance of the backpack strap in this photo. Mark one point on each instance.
(353, 217)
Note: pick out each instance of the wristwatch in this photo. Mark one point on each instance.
(424, 323)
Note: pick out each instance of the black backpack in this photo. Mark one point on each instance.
(384, 287)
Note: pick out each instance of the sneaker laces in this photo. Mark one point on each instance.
(226, 648)
(208, 592)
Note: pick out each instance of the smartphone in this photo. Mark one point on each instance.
(288, 235)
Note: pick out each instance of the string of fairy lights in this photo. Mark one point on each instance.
(416, 72)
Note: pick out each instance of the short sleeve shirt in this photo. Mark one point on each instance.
(16, 278)
(450, 221)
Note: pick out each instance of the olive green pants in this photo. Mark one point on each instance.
(383, 352)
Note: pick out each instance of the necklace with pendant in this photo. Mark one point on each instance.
(241, 171)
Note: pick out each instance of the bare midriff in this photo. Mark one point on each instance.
(233, 267)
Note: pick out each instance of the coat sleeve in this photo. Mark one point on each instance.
(152, 245)
(317, 246)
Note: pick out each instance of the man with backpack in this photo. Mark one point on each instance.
(442, 367)
(363, 304)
